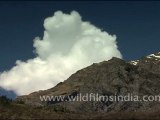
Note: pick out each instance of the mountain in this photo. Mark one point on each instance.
(115, 77)
(150, 62)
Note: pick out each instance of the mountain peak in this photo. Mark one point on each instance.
(115, 59)
(150, 62)
(152, 58)
(155, 56)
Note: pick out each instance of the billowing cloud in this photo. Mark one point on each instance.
(68, 45)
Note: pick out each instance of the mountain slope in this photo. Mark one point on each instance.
(113, 77)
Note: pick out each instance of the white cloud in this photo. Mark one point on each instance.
(68, 45)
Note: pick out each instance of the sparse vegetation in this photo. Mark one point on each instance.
(4, 101)
(20, 102)
(22, 111)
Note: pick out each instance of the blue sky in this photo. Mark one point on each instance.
(136, 24)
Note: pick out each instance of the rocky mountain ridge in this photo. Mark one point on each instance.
(114, 77)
